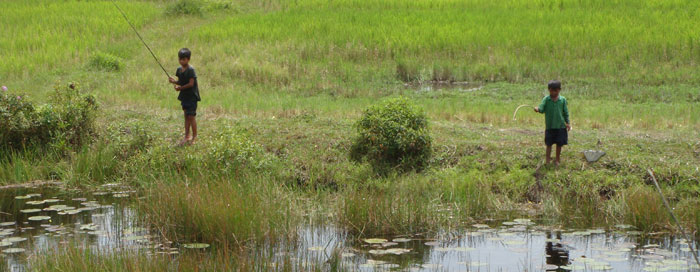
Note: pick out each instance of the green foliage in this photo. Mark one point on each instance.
(393, 135)
(106, 62)
(185, 7)
(67, 121)
(233, 149)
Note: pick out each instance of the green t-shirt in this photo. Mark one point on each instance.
(183, 77)
(556, 113)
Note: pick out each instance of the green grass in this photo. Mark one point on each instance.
(294, 76)
(60, 36)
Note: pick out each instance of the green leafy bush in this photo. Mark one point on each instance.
(106, 62)
(232, 149)
(393, 135)
(67, 121)
(185, 7)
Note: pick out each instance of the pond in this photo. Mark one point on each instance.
(37, 219)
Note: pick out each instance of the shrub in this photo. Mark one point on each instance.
(393, 135)
(186, 7)
(106, 62)
(66, 122)
(233, 150)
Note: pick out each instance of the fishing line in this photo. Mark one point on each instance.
(140, 38)
(687, 238)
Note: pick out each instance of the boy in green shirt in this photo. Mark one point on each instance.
(556, 113)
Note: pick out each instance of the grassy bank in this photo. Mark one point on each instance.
(283, 82)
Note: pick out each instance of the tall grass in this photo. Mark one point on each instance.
(227, 213)
(43, 35)
(484, 40)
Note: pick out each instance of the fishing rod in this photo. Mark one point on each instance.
(140, 38)
(687, 238)
(517, 109)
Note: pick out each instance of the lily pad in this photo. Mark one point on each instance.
(39, 218)
(13, 250)
(36, 202)
(7, 224)
(51, 200)
(14, 239)
(375, 241)
(23, 197)
(196, 246)
(401, 240)
(5, 244)
(30, 210)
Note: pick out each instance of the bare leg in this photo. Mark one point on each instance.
(193, 124)
(187, 127)
(549, 154)
(558, 154)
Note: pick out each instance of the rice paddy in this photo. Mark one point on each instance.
(270, 185)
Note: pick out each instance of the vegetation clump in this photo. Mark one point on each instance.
(185, 7)
(393, 135)
(106, 62)
(67, 121)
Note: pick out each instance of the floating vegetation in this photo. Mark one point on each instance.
(36, 202)
(14, 239)
(401, 240)
(30, 210)
(196, 246)
(375, 241)
(7, 224)
(14, 250)
(394, 251)
(39, 218)
(481, 226)
(5, 244)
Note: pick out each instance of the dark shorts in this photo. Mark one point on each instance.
(556, 136)
(190, 107)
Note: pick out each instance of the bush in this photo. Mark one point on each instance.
(393, 135)
(185, 7)
(106, 62)
(69, 120)
(233, 150)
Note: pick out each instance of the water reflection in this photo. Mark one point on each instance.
(106, 221)
(556, 253)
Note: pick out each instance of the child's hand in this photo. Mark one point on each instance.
(172, 80)
(178, 88)
(537, 109)
(568, 127)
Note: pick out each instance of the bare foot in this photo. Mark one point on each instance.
(192, 140)
(182, 142)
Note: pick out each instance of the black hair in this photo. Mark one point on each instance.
(184, 53)
(554, 85)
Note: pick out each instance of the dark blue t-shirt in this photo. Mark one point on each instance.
(183, 77)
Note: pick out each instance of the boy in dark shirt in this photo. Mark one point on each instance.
(556, 113)
(186, 84)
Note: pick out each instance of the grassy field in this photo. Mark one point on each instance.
(283, 82)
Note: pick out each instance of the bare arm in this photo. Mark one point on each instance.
(186, 86)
